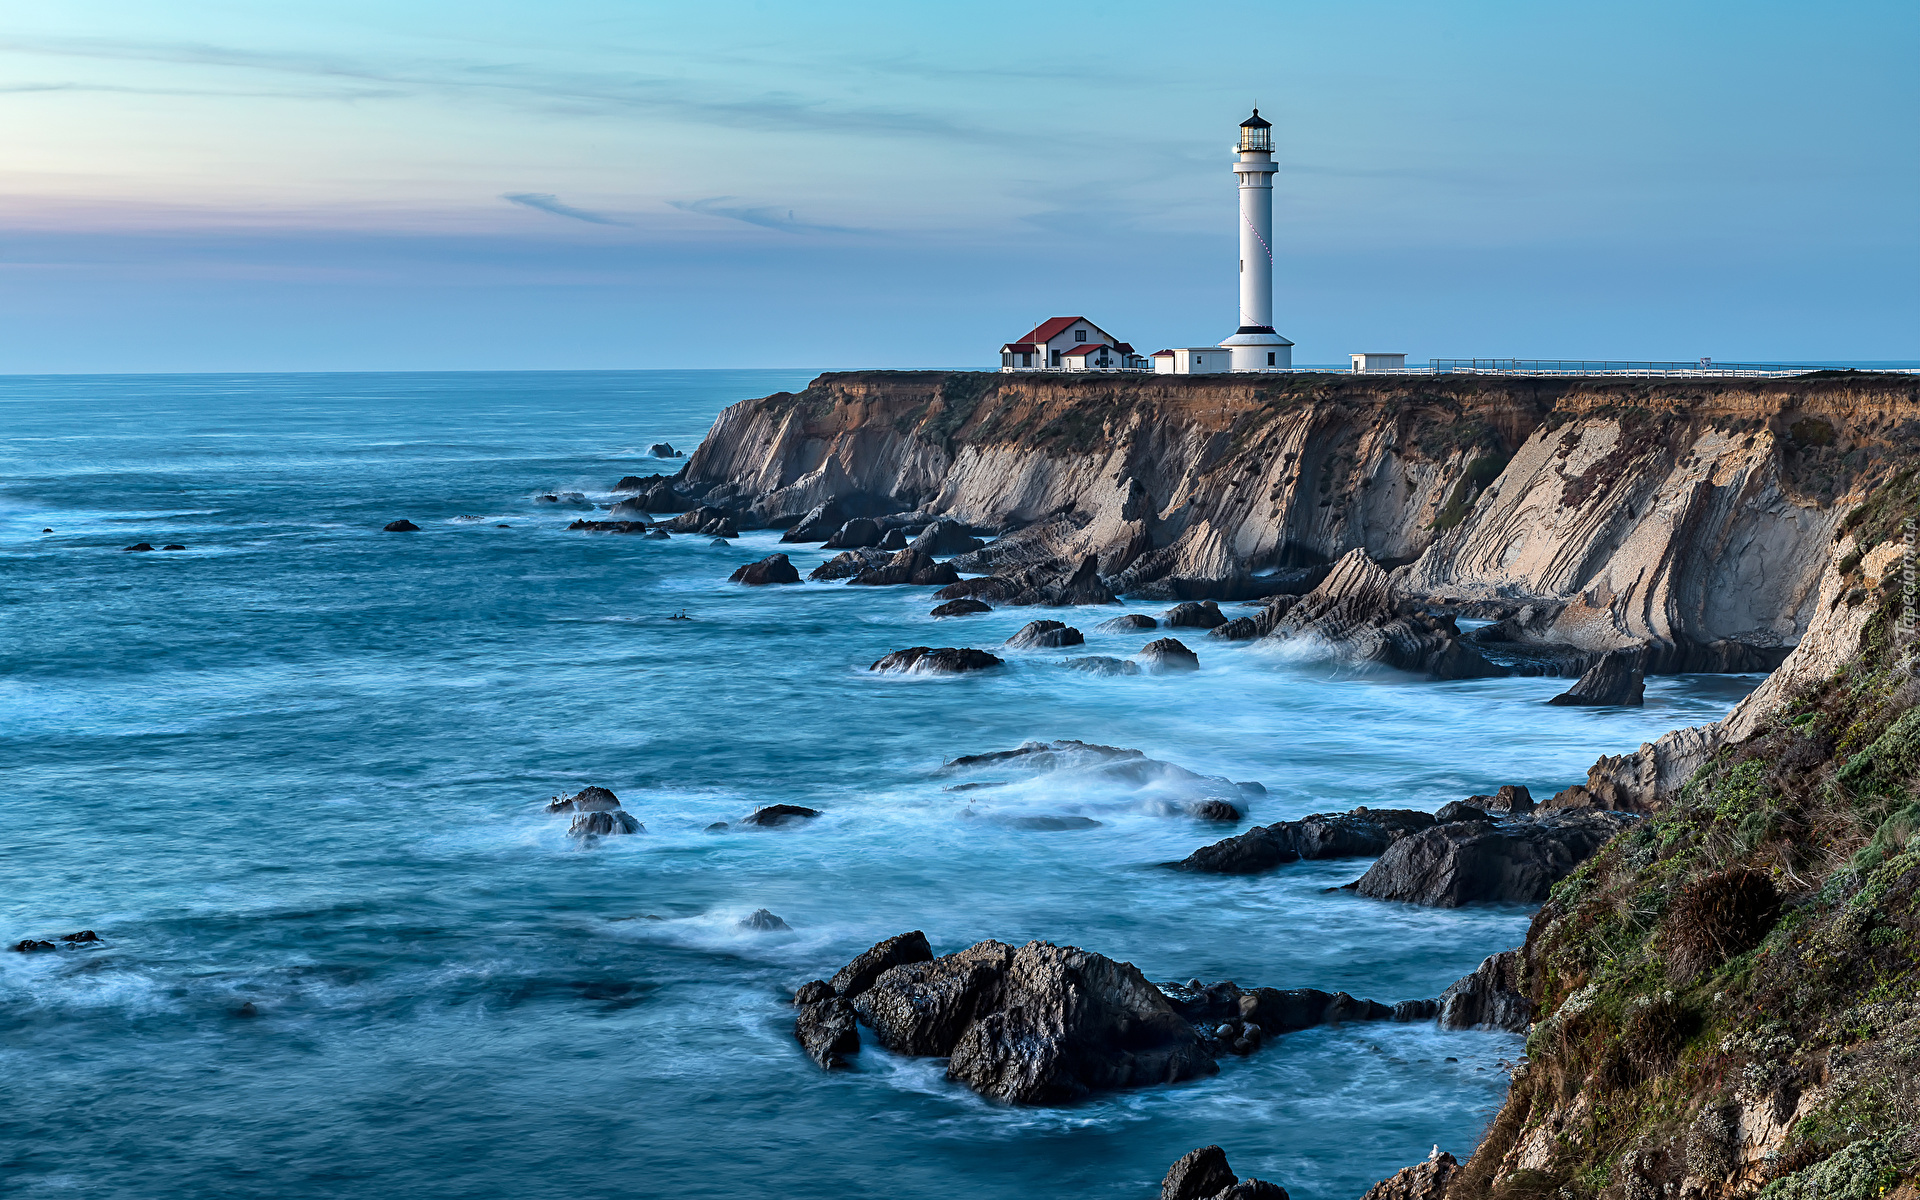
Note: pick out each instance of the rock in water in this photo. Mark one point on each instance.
(945, 538)
(1352, 615)
(401, 526)
(1214, 810)
(634, 509)
(1101, 664)
(1240, 629)
(778, 814)
(1165, 656)
(1617, 679)
(1511, 800)
(145, 546)
(637, 483)
(1126, 623)
(893, 539)
(960, 608)
(858, 975)
(1423, 1181)
(825, 1026)
(1038, 635)
(1067, 1022)
(1203, 1174)
(762, 921)
(1362, 833)
(907, 566)
(657, 535)
(587, 799)
(945, 660)
(173, 546)
(662, 450)
(772, 569)
(32, 945)
(1490, 997)
(1518, 859)
(604, 824)
(923, 1008)
(661, 498)
(855, 534)
(818, 525)
(1459, 810)
(1202, 615)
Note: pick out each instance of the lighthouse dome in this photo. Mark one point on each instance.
(1256, 133)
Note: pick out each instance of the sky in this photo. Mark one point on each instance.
(587, 184)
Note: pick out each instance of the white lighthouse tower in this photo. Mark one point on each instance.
(1255, 346)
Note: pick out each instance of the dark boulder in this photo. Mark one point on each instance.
(944, 660)
(587, 799)
(964, 606)
(173, 546)
(663, 450)
(774, 815)
(1270, 1010)
(657, 535)
(661, 498)
(1459, 810)
(1202, 615)
(944, 538)
(1491, 997)
(632, 509)
(893, 539)
(1164, 656)
(1214, 810)
(700, 520)
(1362, 833)
(923, 1008)
(1101, 664)
(817, 525)
(825, 1026)
(907, 567)
(848, 563)
(1240, 629)
(32, 945)
(401, 526)
(609, 526)
(1044, 584)
(1203, 1174)
(604, 824)
(145, 546)
(1511, 800)
(638, 483)
(1066, 1022)
(720, 541)
(1354, 616)
(762, 921)
(856, 534)
(898, 950)
(85, 936)
(1126, 623)
(1045, 635)
(772, 569)
(1619, 678)
(1515, 860)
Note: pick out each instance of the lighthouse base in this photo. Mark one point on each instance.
(1262, 350)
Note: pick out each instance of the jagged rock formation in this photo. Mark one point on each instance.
(1616, 679)
(1489, 997)
(1362, 833)
(1203, 1174)
(1422, 1181)
(1353, 616)
(774, 568)
(944, 660)
(1514, 860)
(1045, 635)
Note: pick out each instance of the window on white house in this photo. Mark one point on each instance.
(1269, 360)
(1079, 335)
(1056, 359)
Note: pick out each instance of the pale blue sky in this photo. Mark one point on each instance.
(580, 183)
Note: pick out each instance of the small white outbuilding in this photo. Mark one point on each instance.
(1193, 360)
(1366, 363)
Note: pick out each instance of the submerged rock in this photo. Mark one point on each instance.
(944, 660)
(144, 546)
(1126, 623)
(604, 824)
(778, 814)
(907, 567)
(1240, 629)
(1362, 833)
(773, 569)
(401, 526)
(964, 606)
(173, 546)
(587, 799)
(1165, 656)
(609, 526)
(658, 535)
(1518, 859)
(32, 945)
(638, 483)
(1141, 782)
(1038, 635)
(1100, 664)
(1619, 678)
(762, 921)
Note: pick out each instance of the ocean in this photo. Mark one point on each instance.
(294, 776)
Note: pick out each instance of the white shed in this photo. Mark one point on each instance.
(1366, 363)
(1193, 360)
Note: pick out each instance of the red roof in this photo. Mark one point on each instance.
(1051, 328)
(1123, 348)
(1091, 349)
(1163, 354)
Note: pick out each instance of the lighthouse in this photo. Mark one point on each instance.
(1255, 346)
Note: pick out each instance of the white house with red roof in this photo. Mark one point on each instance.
(1069, 344)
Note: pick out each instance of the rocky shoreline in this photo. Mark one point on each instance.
(1455, 529)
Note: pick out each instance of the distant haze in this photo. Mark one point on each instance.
(346, 185)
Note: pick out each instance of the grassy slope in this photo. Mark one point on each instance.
(1747, 955)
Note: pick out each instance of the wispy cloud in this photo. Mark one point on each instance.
(547, 203)
(767, 216)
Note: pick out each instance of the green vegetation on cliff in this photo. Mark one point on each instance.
(1730, 991)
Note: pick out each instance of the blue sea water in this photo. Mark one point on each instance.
(294, 776)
